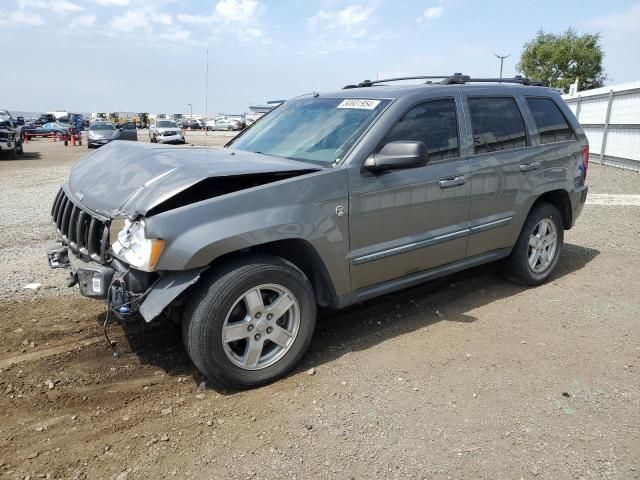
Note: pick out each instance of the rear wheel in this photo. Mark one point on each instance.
(251, 322)
(537, 250)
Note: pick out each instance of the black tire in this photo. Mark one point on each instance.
(516, 267)
(210, 303)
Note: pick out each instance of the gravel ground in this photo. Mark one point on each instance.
(466, 377)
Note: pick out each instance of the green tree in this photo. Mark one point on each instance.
(557, 60)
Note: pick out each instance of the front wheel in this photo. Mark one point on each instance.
(251, 322)
(537, 250)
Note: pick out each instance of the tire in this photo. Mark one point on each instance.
(19, 148)
(222, 300)
(518, 266)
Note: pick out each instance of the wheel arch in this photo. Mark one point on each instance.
(560, 199)
(301, 254)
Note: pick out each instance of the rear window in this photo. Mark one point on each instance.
(497, 124)
(551, 124)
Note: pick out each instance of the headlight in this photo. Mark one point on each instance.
(129, 243)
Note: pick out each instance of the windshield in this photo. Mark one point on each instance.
(320, 130)
(102, 126)
(166, 124)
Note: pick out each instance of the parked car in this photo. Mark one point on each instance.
(10, 135)
(46, 129)
(192, 124)
(223, 124)
(101, 133)
(128, 131)
(328, 201)
(166, 131)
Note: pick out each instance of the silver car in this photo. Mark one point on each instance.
(101, 133)
(223, 124)
(166, 131)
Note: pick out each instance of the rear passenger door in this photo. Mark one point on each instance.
(502, 158)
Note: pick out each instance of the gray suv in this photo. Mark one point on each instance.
(328, 200)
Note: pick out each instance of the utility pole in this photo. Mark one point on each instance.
(501, 57)
(206, 100)
(190, 111)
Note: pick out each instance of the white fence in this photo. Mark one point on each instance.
(610, 117)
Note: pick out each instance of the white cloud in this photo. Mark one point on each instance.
(163, 18)
(236, 11)
(19, 17)
(431, 13)
(130, 20)
(240, 17)
(619, 23)
(176, 35)
(61, 7)
(353, 20)
(82, 21)
(194, 19)
(139, 19)
(115, 3)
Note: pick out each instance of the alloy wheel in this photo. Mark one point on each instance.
(261, 327)
(543, 244)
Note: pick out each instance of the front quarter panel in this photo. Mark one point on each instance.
(301, 207)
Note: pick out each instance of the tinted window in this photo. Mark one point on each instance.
(166, 124)
(434, 123)
(551, 124)
(496, 124)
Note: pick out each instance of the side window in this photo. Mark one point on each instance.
(497, 124)
(433, 122)
(551, 124)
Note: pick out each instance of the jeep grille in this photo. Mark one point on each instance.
(83, 232)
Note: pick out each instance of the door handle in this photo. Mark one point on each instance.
(452, 182)
(528, 167)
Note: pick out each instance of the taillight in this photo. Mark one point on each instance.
(585, 160)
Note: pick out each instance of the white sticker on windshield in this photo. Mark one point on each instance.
(360, 103)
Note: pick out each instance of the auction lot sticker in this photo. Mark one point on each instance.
(359, 103)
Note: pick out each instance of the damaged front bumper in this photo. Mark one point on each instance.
(126, 291)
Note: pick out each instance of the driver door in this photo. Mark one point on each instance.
(406, 221)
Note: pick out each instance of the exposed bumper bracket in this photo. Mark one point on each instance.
(166, 290)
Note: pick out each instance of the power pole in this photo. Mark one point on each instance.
(501, 57)
(190, 111)
(206, 100)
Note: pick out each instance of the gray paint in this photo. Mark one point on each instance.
(401, 227)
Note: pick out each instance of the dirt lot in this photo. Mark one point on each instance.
(466, 377)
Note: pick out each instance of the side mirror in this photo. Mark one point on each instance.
(398, 155)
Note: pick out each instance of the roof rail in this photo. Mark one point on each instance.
(455, 79)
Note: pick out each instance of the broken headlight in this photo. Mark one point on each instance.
(130, 244)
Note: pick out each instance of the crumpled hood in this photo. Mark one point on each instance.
(130, 178)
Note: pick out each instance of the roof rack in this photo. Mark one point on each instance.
(455, 79)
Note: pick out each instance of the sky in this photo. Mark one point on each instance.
(150, 55)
